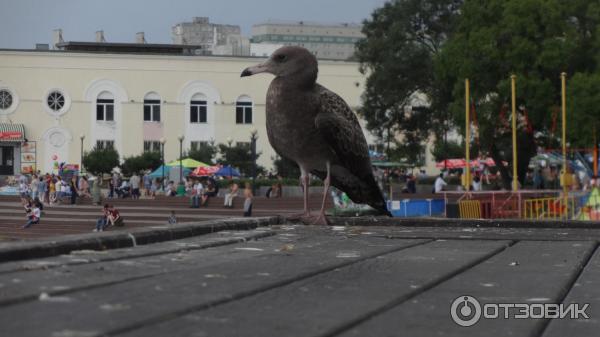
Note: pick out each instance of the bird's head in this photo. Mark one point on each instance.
(289, 61)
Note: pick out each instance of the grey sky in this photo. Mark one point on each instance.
(24, 23)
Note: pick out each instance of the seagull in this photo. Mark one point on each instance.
(315, 128)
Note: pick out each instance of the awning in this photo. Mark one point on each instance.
(12, 133)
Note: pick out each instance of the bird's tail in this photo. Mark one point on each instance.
(380, 204)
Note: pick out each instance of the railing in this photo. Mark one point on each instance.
(550, 208)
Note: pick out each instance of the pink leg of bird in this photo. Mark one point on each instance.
(321, 218)
(305, 183)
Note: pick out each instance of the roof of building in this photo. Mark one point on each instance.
(135, 48)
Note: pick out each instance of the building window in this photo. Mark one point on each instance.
(105, 144)
(6, 99)
(243, 144)
(197, 145)
(243, 111)
(151, 146)
(151, 110)
(55, 101)
(198, 111)
(105, 107)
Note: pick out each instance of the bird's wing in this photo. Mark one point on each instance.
(337, 123)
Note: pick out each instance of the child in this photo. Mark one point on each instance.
(33, 217)
(172, 219)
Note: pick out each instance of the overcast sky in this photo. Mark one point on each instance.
(23, 23)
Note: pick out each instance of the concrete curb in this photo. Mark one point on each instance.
(13, 251)
(444, 222)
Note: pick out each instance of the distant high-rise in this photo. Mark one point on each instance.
(326, 41)
(214, 38)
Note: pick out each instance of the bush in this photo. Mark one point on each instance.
(100, 161)
(145, 161)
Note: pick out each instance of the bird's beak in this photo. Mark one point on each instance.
(257, 69)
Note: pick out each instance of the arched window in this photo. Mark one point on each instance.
(152, 107)
(198, 109)
(243, 110)
(105, 107)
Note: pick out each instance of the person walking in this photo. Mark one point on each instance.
(134, 183)
(248, 200)
(73, 190)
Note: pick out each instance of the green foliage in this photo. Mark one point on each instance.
(99, 161)
(402, 40)
(240, 157)
(204, 153)
(430, 47)
(286, 168)
(583, 110)
(447, 150)
(534, 39)
(144, 161)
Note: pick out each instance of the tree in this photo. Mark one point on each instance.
(144, 161)
(205, 153)
(286, 168)
(239, 156)
(534, 39)
(402, 40)
(99, 161)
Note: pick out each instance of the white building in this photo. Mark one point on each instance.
(216, 39)
(326, 41)
(54, 104)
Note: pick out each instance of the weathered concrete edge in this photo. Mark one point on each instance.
(14, 251)
(445, 222)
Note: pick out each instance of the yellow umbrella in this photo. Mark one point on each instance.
(187, 162)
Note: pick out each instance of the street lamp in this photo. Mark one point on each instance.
(81, 137)
(162, 158)
(180, 189)
(253, 138)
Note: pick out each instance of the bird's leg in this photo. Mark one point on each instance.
(305, 179)
(304, 183)
(321, 218)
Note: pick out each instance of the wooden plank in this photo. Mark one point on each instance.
(585, 290)
(94, 256)
(117, 306)
(85, 271)
(486, 233)
(314, 306)
(528, 272)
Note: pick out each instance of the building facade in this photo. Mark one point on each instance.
(326, 41)
(56, 104)
(216, 39)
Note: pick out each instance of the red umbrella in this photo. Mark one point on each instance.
(205, 170)
(461, 163)
(451, 163)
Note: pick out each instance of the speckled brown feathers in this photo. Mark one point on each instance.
(314, 127)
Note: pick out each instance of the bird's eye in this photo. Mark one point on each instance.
(280, 57)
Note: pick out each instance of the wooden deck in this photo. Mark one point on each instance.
(295, 280)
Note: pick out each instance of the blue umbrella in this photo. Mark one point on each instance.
(227, 171)
(158, 172)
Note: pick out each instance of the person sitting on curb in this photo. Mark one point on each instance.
(172, 218)
(233, 192)
(114, 218)
(33, 217)
(102, 223)
(211, 191)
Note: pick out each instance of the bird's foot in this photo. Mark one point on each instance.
(299, 216)
(319, 220)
